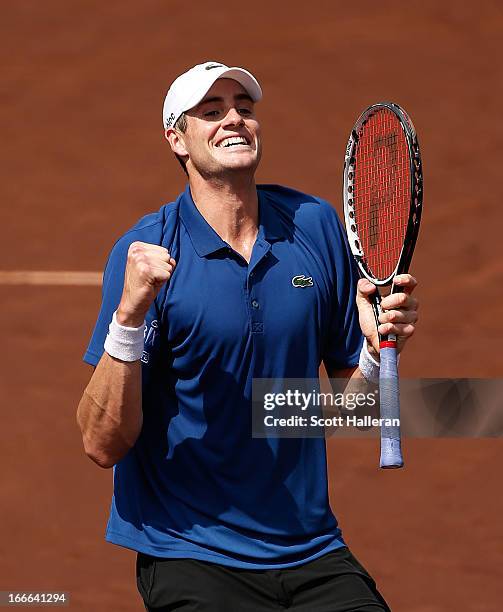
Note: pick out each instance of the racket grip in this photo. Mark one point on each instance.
(391, 452)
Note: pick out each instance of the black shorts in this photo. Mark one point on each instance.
(336, 582)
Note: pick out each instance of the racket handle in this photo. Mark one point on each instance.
(391, 452)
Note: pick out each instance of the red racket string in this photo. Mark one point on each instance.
(381, 191)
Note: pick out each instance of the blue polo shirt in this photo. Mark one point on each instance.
(196, 484)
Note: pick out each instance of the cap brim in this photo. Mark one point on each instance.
(246, 79)
(242, 76)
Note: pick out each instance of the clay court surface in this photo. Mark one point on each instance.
(82, 158)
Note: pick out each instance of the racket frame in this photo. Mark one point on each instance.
(416, 191)
(391, 455)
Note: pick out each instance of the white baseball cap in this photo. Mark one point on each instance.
(190, 88)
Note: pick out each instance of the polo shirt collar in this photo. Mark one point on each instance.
(203, 236)
(270, 226)
(207, 241)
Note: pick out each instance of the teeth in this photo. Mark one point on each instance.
(235, 140)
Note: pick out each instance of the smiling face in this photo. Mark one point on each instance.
(222, 135)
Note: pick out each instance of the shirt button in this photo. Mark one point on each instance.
(254, 303)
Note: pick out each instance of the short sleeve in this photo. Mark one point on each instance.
(154, 228)
(344, 338)
(113, 282)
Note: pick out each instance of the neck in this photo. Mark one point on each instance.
(230, 208)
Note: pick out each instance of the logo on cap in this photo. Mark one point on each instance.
(213, 66)
(170, 120)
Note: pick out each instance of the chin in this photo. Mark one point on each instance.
(242, 168)
(240, 164)
(218, 166)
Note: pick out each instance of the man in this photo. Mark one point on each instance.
(198, 300)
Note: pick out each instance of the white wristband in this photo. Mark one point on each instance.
(125, 343)
(369, 367)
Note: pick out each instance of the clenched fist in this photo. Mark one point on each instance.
(148, 267)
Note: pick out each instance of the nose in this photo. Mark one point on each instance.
(233, 118)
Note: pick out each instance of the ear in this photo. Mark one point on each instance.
(176, 141)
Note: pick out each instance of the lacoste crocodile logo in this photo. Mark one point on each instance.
(302, 281)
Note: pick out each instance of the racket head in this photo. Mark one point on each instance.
(383, 191)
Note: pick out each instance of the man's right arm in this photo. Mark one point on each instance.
(110, 414)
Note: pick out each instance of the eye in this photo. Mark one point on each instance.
(245, 111)
(211, 113)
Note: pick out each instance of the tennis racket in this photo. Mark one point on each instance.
(383, 192)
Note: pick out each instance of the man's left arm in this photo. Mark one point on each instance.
(399, 317)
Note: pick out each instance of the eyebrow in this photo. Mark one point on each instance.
(237, 98)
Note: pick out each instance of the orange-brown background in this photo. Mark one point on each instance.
(82, 158)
